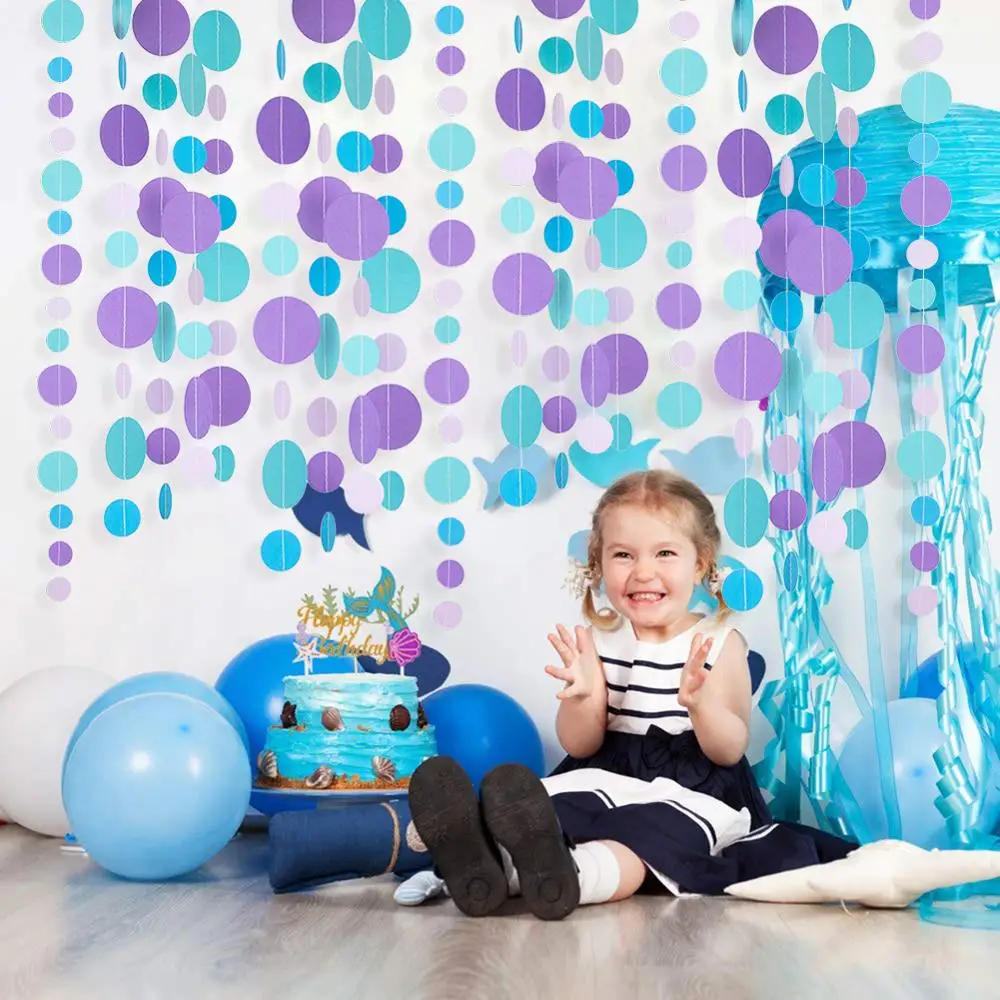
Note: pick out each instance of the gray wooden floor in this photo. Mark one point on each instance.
(67, 930)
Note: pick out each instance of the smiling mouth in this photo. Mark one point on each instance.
(646, 596)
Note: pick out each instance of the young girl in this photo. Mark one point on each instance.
(654, 715)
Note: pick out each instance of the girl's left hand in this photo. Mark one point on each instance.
(695, 672)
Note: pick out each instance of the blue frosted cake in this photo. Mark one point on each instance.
(345, 732)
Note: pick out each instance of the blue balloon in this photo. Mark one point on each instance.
(481, 728)
(156, 786)
(164, 682)
(915, 736)
(924, 683)
(253, 683)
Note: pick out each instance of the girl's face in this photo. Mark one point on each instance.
(650, 567)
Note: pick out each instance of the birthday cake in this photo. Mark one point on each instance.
(346, 732)
(355, 730)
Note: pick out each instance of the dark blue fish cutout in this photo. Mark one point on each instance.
(430, 668)
(309, 512)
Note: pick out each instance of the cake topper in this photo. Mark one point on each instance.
(340, 623)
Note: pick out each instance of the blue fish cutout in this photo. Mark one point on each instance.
(310, 510)
(712, 464)
(380, 599)
(430, 668)
(622, 457)
(534, 459)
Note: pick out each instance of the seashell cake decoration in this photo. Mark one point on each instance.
(422, 722)
(399, 719)
(384, 768)
(267, 764)
(322, 777)
(288, 720)
(332, 719)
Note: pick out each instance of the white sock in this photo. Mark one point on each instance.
(419, 889)
(600, 874)
(513, 882)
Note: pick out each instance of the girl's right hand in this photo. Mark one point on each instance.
(581, 669)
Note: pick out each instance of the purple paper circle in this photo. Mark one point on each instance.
(163, 445)
(62, 140)
(230, 394)
(587, 188)
(198, 407)
(784, 454)
(826, 467)
(628, 363)
(452, 100)
(786, 39)
(283, 130)
(398, 415)
(523, 284)
(450, 574)
(855, 388)
(557, 9)
(57, 385)
(127, 317)
(684, 168)
(924, 10)
(617, 121)
(924, 556)
(153, 199)
(452, 243)
(549, 164)
(325, 471)
(124, 135)
(742, 235)
(920, 349)
(556, 363)
(314, 202)
(777, 236)
(595, 376)
(448, 615)
(559, 414)
(678, 306)
(159, 396)
(620, 304)
(286, 330)
(363, 430)
(60, 105)
(60, 427)
(387, 154)
(520, 99)
(448, 293)
(218, 156)
(446, 381)
(223, 337)
(356, 226)
(450, 60)
(926, 200)
(788, 510)
(745, 163)
(851, 187)
(748, 366)
(61, 264)
(450, 429)
(59, 308)
(862, 450)
(323, 20)
(191, 222)
(321, 416)
(820, 260)
(161, 27)
(391, 352)
(60, 553)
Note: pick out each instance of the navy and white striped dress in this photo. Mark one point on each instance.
(697, 826)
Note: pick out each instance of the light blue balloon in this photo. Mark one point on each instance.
(157, 682)
(915, 736)
(156, 786)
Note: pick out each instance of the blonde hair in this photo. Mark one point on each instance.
(655, 490)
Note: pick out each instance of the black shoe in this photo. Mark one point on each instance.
(519, 814)
(446, 814)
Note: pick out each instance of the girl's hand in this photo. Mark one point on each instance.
(581, 666)
(695, 673)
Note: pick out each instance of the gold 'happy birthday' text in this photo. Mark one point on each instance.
(342, 631)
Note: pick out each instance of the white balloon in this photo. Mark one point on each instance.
(38, 714)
